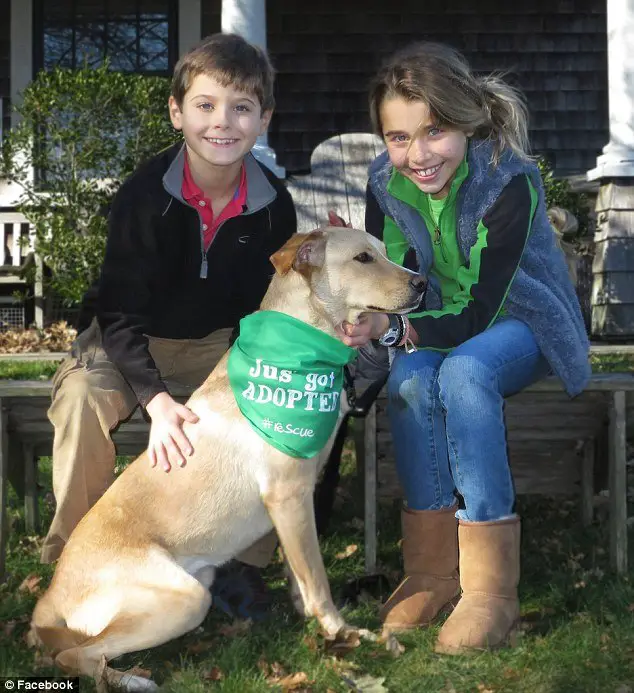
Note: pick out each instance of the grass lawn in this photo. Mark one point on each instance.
(578, 621)
(27, 370)
(577, 617)
(42, 370)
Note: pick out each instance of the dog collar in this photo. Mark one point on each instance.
(287, 378)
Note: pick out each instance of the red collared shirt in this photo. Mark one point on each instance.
(196, 198)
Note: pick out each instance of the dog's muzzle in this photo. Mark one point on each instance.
(419, 284)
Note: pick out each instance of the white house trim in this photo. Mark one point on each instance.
(248, 19)
(617, 160)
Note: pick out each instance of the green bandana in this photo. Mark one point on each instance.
(287, 377)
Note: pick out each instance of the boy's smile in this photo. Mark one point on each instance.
(220, 124)
(420, 149)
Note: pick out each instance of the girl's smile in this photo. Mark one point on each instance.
(419, 148)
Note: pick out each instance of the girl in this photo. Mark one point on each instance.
(457, 198)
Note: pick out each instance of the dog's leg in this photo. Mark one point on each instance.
(291, 510)
(155, 615)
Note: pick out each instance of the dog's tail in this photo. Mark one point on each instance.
(49, 630)
(564, 222)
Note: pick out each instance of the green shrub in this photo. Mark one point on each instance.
(559, 194)
(83, 132)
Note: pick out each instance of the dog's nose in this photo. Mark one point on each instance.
(418, 283)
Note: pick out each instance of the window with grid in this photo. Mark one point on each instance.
(133, 35)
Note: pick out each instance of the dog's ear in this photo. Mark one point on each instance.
(301, 252)
(335, 220)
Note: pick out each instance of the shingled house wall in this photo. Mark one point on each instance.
(326, 52)
(5, 51)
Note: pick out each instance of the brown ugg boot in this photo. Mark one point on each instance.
(489, 610)
(430, 557)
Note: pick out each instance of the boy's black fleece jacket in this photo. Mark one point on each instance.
(150, 282)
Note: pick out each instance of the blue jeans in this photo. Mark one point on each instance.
(446, 416)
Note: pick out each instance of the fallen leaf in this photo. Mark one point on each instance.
(347, 552)
(238, 627)
(340, 666)
(484, 689)
(365, 684)
(7, 627)
(311, 643)
(293, 682)
(214, 674)
(201, 646)
(30, 584)
(277, 670)
(272, 671)
(392, 645)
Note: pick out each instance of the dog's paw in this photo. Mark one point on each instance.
(135, 680)
(346, 639)
(361, 633)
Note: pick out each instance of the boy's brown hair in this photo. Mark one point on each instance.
(231, 61)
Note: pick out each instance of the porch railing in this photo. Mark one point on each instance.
(17, 244)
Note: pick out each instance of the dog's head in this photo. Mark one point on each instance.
(348, 272)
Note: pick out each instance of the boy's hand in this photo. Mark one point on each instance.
(369, 326)
(168, 443)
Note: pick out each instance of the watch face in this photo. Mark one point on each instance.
(389, 338)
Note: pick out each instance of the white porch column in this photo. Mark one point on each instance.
(20, 74)
(189, 24)
(21, 55)
(248, 19)
(617, 160)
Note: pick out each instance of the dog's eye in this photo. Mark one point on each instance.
(363, 258)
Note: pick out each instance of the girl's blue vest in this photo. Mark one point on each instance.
(541, 294)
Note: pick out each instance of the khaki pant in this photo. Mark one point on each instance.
(90, 397)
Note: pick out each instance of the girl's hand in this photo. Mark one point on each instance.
(168, 443)
(369, 326)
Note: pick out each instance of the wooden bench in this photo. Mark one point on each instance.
(541, 420)
(26, 434)
(538, 419)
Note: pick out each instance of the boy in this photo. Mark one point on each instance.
(190, 234)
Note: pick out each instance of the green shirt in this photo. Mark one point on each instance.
(440, 219)
(456, 275)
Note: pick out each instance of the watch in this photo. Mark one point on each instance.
(395, 332)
